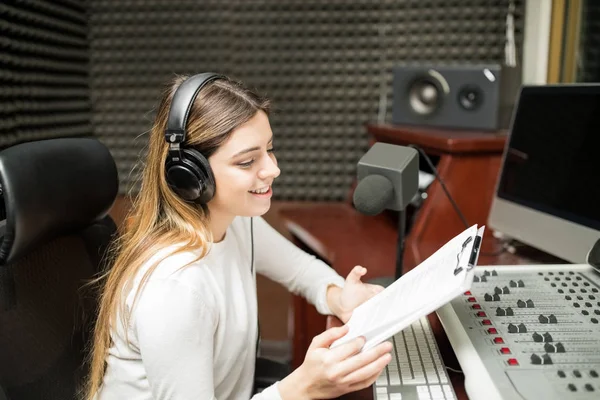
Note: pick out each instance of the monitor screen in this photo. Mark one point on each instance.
(548, 189)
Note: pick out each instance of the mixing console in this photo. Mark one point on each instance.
(528, 332)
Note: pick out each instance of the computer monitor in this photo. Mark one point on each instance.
(548, 190)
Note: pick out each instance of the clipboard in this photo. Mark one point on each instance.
(435, 282)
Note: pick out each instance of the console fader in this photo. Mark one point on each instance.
(528, 332)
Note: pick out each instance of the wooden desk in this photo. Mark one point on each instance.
(337, 233)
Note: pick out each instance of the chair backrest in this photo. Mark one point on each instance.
(55, 197)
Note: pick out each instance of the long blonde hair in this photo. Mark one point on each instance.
(158, 217)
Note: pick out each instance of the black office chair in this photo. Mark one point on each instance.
(55, 196)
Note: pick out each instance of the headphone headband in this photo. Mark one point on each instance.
(181, 105)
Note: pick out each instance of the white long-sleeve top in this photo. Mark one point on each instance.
(192, 332)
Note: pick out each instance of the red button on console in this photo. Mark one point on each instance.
(481, 314)
(512, 361)
(492, 331)
(476, 307)
(467, 293)
(498, 340)
(471, 300)
(486, 322)
(505, 350)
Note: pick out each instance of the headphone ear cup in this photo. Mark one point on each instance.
(206, 174)
(191, 177)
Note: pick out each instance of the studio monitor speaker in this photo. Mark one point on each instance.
(479, 97)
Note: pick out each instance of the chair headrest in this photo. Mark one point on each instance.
(53, 187)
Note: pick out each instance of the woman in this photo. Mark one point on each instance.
(177, 317)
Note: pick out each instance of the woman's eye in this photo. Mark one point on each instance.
(246, 164)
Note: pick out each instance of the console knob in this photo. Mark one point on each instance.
(483, 279)
(505, 290)
(543, 319)
(530, 303)
(496, 297)
(537, 337)
(535, 359)
(522, 328)
(509, 312)
(512, 283)
(487, 297)
(548, 337)
(475, 278)
(549, 348)
(497, 290)
(552, 319)
(560, 348)
(546, 358)
(520, 283)
(521, 303)
(512, 328)
(500, 312)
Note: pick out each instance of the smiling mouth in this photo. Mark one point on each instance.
(261, 191)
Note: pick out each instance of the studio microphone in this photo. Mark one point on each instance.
(373, 194)
(388, 178)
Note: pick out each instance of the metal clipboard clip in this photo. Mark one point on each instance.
(472, 256)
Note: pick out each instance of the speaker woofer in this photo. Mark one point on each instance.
(425, 95)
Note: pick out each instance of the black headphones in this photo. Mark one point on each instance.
(187, 171)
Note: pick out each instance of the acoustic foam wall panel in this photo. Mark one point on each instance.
(136, 46)
(44, 86)
(323, 64)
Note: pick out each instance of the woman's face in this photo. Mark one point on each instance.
(244, 168)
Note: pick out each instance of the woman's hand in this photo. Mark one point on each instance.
(329, 373)
(343, 301)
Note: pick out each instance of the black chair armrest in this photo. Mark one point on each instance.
(268, 372)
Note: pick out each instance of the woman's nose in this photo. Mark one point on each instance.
(270, 169)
